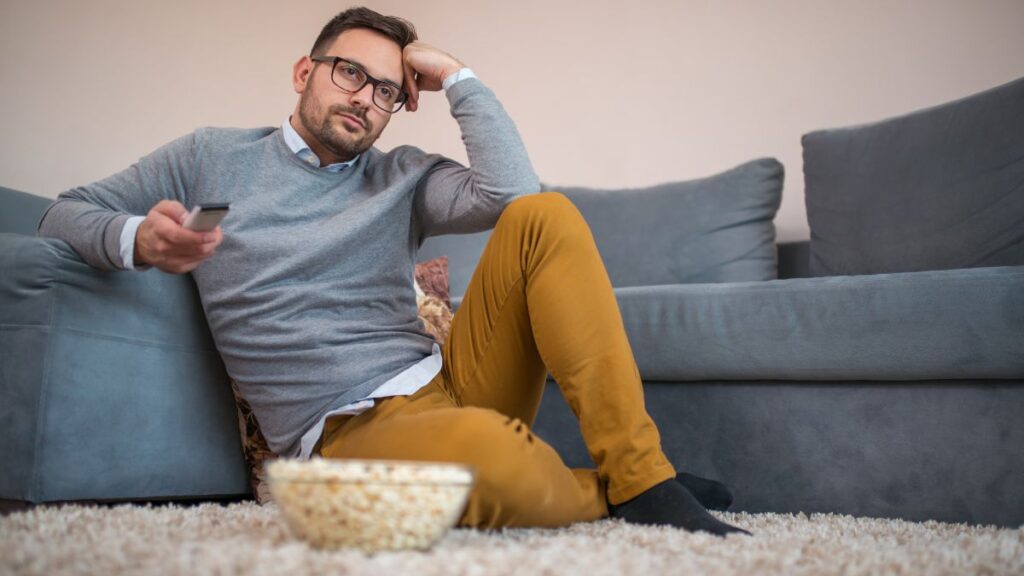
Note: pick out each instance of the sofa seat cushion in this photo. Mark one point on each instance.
(944, 325)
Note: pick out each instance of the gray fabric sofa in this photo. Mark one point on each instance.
(804, 378)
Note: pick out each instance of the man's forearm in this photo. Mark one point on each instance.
(454, 199)
(93, 232)
(99, 220)
(498, 160)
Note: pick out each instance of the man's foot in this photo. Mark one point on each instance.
(711, 494)
(670, 503)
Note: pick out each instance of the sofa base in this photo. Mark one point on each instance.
(936, 450)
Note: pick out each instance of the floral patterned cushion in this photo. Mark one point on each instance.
(434, 306)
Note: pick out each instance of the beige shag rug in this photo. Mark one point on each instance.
(244, 538)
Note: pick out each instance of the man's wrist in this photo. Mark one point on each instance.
(129, 250)
(457, 76)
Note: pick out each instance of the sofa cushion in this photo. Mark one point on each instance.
(21, 212)
(937, 189)
(111, 383)
(942, 325)
(713, 229)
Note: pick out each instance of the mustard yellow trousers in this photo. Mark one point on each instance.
(540, 300)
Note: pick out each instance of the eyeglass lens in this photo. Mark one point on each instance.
(352, 78)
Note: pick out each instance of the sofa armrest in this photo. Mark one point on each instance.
(21, 211)
(115, 388)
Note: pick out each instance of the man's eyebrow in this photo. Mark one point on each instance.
(363, 66)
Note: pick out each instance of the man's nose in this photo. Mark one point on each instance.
(363, 96)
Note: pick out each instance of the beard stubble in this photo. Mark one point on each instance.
(342, 141)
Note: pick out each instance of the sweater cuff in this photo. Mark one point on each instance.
(466, 87)
(462, 74)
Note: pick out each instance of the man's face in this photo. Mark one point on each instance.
(344, 125)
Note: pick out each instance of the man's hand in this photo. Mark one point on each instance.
(161, 241)
(426, 68)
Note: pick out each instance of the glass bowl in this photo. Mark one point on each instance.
(371, 505)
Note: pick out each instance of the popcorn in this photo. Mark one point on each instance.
(372, 505)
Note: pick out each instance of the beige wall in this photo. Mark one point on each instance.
(604, 93)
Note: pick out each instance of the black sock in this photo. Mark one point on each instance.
(711, 494)
(670, 503)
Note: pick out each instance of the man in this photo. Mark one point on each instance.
(310, 299)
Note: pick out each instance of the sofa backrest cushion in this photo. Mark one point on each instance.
(714, 229)
(709, 230)
(936, 189)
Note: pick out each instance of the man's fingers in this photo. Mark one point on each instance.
(172, 209)
(181, 237)
(193, 253)
(195, 250)
(210, 242)
(410, 85)
(174, 241)
(216, 235)
(430, 67)
(167, 218)
(176, 234)
(163, 242)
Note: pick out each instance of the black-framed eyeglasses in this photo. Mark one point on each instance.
(351, 78)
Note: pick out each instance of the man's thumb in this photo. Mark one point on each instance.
(173, 210)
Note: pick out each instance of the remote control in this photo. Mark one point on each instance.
(205, 217)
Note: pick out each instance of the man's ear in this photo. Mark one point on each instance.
(300, 74)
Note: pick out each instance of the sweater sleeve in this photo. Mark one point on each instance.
(453, 199)
(90, 218)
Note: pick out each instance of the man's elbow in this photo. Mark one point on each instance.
(44, 225)
(529, 185)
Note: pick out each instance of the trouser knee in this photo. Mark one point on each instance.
(543, 204)
(551, 212)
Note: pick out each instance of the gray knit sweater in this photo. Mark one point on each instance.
(310, 297)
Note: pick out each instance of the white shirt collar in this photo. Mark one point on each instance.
(299, 147)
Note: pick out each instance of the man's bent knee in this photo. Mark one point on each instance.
(542, 201)
(549, 206)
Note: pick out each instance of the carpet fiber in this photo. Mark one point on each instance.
(243, 538)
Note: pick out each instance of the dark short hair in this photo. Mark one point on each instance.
(397, 29)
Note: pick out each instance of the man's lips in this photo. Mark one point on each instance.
(353, 119)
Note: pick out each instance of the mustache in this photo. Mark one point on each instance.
(359, 113)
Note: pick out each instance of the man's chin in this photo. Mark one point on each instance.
(348, 149)
(347, 137)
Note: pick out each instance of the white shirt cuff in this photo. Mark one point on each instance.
(456, 77)
(128, 241)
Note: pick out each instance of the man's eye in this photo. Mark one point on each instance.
(386, 91)
(350, 71)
